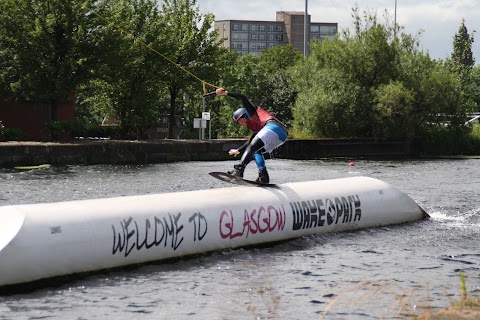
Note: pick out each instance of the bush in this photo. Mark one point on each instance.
(12, 134)
(63, 130)
(452, 141)
(97, 131)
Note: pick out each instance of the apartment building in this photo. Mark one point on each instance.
(252, 37)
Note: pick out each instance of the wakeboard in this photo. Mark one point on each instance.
(226, 177)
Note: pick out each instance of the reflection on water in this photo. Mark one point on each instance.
(387, 272)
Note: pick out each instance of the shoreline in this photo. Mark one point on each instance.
(89, 152)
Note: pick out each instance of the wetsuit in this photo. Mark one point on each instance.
(268, 132)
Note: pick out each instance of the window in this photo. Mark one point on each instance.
(235, 27)
(257, 46)
(272, 28)
(262, 28)
(279, 28)
(314, 29)
(254, 28)
(279, 37)
(244, 27)
(262, 37)
(254, 37)
(270, 37)
(328, 30)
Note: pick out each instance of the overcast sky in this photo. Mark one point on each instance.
(439, 19)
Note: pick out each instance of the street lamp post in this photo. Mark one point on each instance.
(395, 20)
(305, 28)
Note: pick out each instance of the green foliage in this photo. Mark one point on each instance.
(64, 130)
(476, 131)
(474, 87)
(439, 100)
(338, 81)
(462, 55)
(466, 302)
(123, 84)
(463, 287)
(294, 134)
(278, 96)
(246, 77)
(461, 65)
(138, 60)
(394, 106)
(9, 133)
(277, 93)
(12, 134)
(108, 53)
(265, 81)
(191, 45)
(370, 54)
(447, 140)
(375, 83)
(280, 58)
(96, 101)
(42, 48)
(324, 105)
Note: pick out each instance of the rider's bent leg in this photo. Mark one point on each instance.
(255, 145)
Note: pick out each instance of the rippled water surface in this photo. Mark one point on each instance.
(384, 273)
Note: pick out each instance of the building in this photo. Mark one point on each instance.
(29, 120)
(255, 36)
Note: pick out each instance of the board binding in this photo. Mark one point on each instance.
(226, 177)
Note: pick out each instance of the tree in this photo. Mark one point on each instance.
(244, 76)
(280, 57)
(462, 55)
(278, 95)
(375, 84)
(341, 76)
(277, 92)
(123, 82)
(462, 63)
(43, 45)
(220, 116)
(264, 80)
(191, 45)
(476, 84)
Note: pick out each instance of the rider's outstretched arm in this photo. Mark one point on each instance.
(251, 109)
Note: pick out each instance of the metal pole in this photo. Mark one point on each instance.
(305, 30)
(395, 21)
(201, 121)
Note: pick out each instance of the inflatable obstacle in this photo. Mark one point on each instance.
(40, 241)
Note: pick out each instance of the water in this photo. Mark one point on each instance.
(391, 272)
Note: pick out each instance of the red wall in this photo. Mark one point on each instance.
(31, 117)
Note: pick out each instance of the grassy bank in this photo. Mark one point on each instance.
(445, 142)
(403, 303)
(466, 308)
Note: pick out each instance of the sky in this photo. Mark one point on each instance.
(438, 20)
